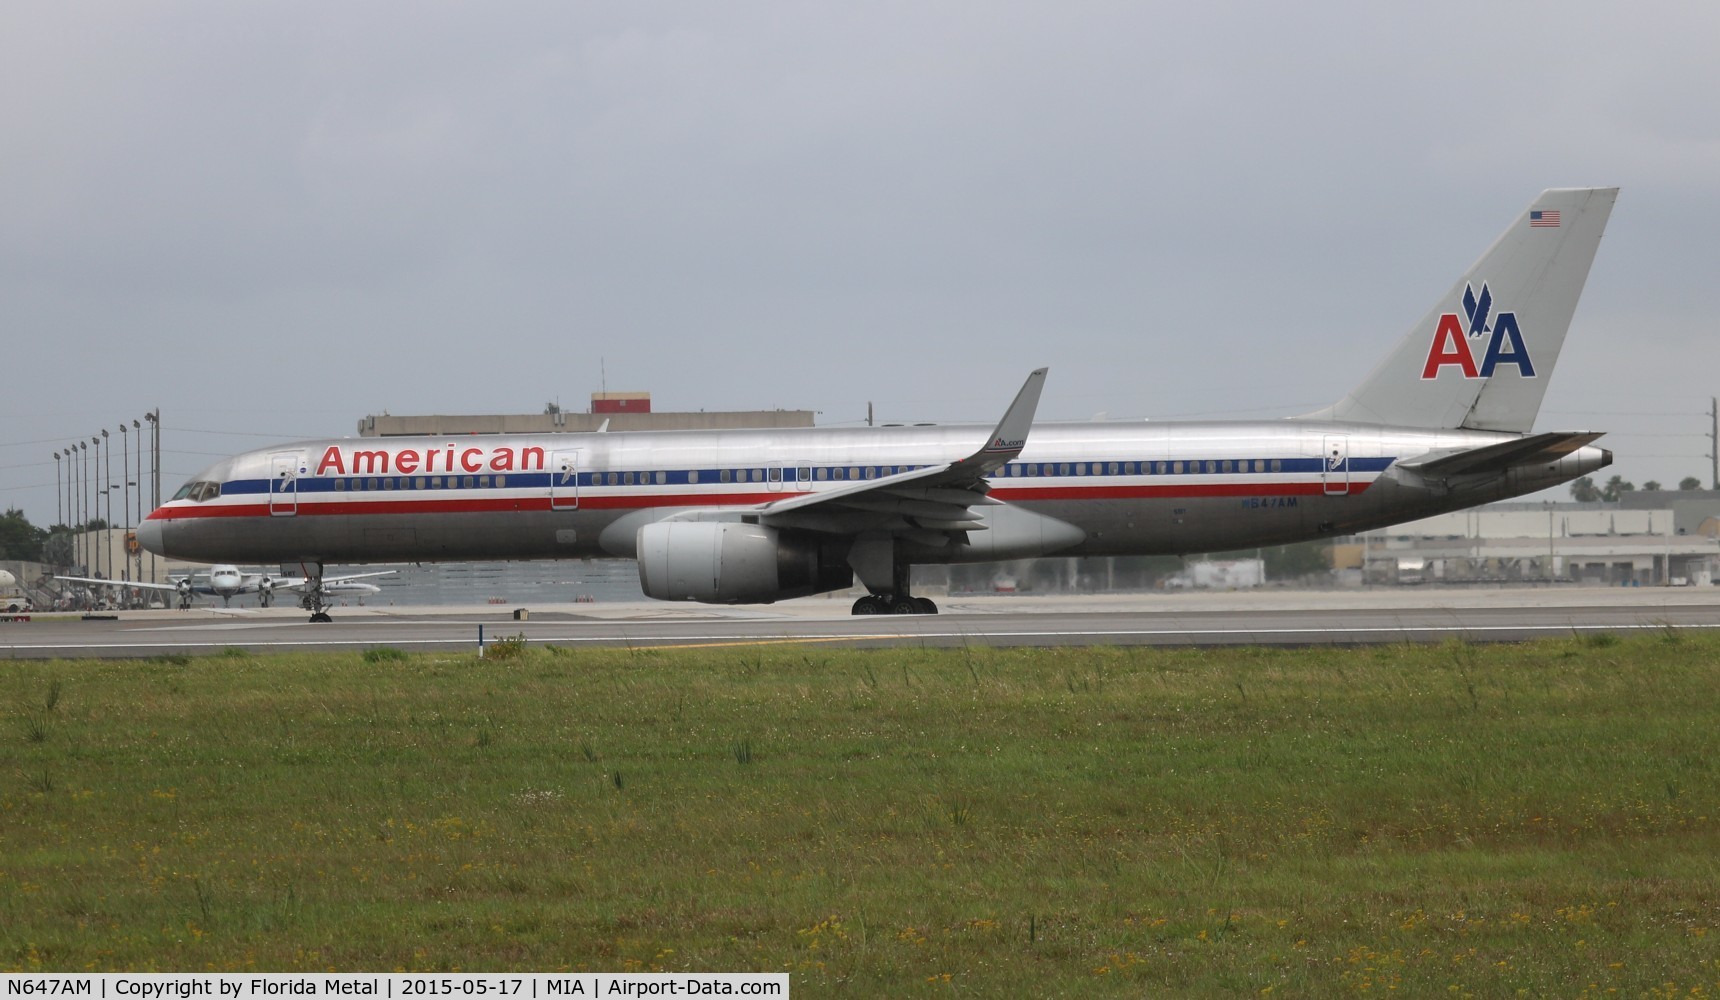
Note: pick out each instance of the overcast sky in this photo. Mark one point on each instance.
(270, 219)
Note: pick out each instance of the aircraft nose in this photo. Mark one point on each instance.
(149, 536)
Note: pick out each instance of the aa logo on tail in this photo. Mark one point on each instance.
(1451, 345)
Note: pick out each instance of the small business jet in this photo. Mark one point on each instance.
(11, 604)
(1445, 422)
(228, 582)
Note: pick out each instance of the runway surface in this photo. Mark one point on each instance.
(1243, 618)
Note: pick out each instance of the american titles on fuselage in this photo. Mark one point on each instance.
(340, 461)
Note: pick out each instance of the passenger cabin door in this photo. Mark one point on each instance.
(1336, 474)
(564, 480)
(284, 484)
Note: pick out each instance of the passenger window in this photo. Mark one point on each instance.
(614, 479)
(1227, 465)
(662, 477)
(693, 476)
(340, 486)
(388, 483)
(468, 482)
(501, 481)
(1177, 467)
(420, 482)
(484, 482)
(776, 474)
(1277, 465)
(823, 474)
(627, 479)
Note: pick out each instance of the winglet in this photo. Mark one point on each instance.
(1010, 436)
(1002, 447)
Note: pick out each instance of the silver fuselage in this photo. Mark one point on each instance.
(1129, 488)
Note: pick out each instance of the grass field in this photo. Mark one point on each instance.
(1447, 819)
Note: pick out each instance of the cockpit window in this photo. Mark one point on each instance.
(198, 491)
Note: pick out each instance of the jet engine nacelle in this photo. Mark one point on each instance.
(728, 562)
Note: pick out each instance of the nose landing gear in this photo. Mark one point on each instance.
(315, 599)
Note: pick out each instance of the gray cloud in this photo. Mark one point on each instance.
(273, 218)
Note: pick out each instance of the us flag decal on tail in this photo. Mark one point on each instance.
(1544, 219)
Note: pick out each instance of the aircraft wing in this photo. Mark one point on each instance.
(295, 582)
(935, 499)
(121, 583)
(1531, 449)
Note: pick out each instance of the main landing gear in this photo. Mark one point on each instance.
(902, 604)
(898, 601)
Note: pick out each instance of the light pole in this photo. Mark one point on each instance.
(72, 499)
(57, 496)
(106, 470)
(125, 501)
(1550, 558)
(154, 470)
(84, 501)
(139, 484)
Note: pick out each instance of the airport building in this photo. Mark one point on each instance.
(1654, 539)
(614, 411)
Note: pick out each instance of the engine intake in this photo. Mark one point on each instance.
(728, 562)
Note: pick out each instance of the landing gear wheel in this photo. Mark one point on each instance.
(926, 606)
(871, 604)
(321, 616)
(905, 606)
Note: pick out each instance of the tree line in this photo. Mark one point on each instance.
(19, 539)
(1584, 490)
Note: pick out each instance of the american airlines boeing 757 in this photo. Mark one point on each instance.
(756, 516)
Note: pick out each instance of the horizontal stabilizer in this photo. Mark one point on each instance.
(1535, 449)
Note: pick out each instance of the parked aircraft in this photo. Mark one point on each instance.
(227, 582)
(757, 516)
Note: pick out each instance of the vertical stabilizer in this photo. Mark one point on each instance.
(1481, 357)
